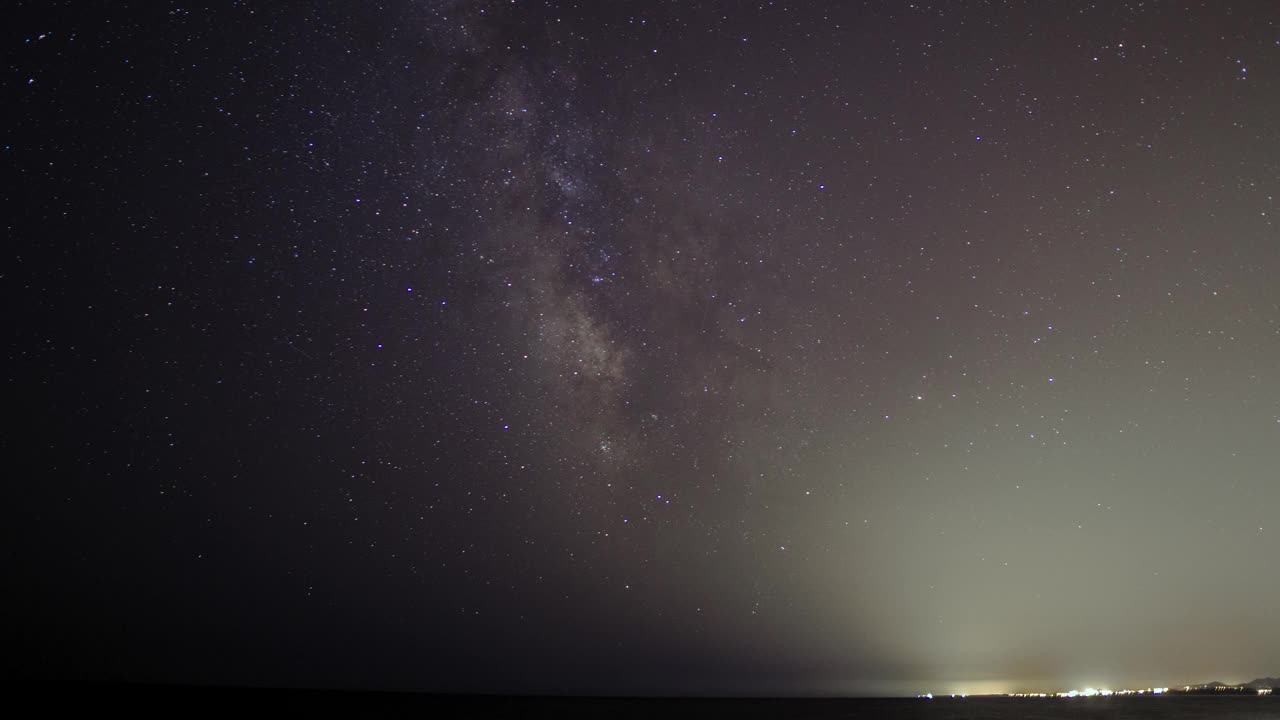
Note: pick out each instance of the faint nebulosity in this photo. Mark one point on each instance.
(645, 347)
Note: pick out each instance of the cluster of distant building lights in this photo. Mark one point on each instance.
(1087, 692)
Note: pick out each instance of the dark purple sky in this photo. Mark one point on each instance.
(872, 347)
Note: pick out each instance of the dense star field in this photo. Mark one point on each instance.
(644, 347)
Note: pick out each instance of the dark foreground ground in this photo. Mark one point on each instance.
(180, 700)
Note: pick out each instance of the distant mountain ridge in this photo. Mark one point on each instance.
(1264, 682)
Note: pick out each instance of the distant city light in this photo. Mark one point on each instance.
(1094, 692)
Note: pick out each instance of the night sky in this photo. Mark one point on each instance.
(643, 347)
